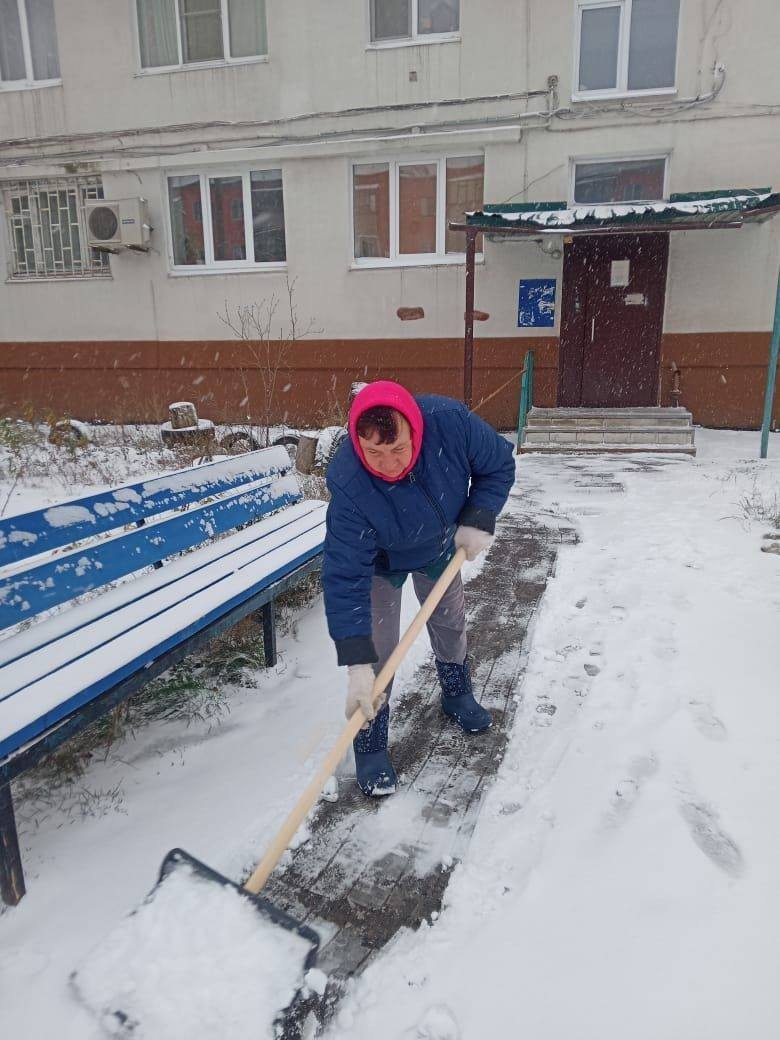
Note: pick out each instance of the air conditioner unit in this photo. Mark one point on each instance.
(113, 223)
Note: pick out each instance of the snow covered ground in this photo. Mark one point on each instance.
(622, 882)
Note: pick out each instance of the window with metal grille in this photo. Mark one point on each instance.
(48, 231)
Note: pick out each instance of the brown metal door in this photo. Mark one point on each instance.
(614, 288)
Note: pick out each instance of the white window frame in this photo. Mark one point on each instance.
(417, 39)
(211, 63)
(212, 266)
(29, 82)
(620, 90)
(397, 259)
(588, 160)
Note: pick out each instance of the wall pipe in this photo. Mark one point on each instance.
(771, 375)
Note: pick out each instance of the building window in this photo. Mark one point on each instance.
(227, 220)
(48, 231)
(626, 46)
(629, 180)
(401, 210)
(173, 33)
(28, 43)
(393, 20)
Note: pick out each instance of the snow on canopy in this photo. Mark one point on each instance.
(557, 215)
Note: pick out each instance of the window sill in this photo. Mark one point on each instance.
(414, 41)
(40, 84)
(623, 95)
(51, 279)
(198, 66)
(202, 271)
(454, 260)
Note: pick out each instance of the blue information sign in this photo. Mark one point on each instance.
(536, 303)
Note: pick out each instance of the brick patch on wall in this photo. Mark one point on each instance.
(722, 377)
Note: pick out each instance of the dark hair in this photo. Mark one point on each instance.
(382, 420)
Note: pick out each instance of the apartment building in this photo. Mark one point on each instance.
(331, 146)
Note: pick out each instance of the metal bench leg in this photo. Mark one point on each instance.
(269, 634)
(11, 875)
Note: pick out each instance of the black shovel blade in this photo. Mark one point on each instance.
(178, 857)
(186, 957)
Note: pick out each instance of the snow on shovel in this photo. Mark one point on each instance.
(204, 957)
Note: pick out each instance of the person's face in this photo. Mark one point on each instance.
(389, 459)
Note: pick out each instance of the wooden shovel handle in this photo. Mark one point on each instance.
(311, 794)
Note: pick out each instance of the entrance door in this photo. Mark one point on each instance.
(614, 288)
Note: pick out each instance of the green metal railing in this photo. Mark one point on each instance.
(526, 396)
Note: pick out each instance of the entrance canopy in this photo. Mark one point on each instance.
(726, 208)
(683, 212)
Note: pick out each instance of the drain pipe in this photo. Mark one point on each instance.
(771, 376)
(468, 335)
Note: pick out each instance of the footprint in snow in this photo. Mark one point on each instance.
(706, 721)
(627, 790)
(438, 1023)
(714, 842)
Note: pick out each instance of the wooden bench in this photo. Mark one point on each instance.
(99, 595)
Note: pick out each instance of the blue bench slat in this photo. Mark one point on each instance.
(167, 578)
(33, 729)
(43, 530)
(231, 558)
(62, 578)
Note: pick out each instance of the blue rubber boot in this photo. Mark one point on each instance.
(457, 698)
(373, 769)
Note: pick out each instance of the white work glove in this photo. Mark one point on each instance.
(472, 540)
(360, 679)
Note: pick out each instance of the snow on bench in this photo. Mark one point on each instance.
(116, 587)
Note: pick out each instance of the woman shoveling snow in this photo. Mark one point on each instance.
(418, 478)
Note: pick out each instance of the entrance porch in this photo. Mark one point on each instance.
(614, 366)
(596, 430)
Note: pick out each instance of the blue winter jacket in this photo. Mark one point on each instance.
(462, 476)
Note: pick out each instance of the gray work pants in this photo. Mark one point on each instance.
(446, 627)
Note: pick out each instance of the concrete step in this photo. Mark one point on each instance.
(611, 423)
(601, 412)
(609, 418)
(609, 429)
(606, 449)
(608, 435)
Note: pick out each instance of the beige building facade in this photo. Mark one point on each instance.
(328, 146)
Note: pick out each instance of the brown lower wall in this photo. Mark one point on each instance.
(723, 377)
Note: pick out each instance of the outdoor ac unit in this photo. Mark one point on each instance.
(112, 223)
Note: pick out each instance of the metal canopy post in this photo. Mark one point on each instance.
(771, 375)
(468, 338)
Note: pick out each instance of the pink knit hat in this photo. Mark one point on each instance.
(389, 395)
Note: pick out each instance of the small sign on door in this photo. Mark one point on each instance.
(620, 273)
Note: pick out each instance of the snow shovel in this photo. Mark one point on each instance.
(203, 956)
